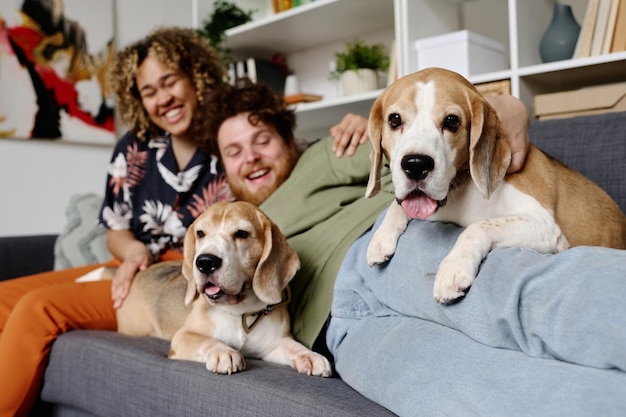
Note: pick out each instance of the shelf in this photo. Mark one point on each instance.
(568, 73)
(312, 116)
(311, 25)
(311, 33)
(490, 76)
(576, 73)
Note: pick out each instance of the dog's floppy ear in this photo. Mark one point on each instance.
(189, 250)
(375, 131)
(489, 152)
(277, 266)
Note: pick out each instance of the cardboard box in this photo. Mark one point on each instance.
(465, 52)
(585, 101)
(494, 88)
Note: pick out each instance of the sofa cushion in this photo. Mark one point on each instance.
(115, 375)
(25, 255)
(593, 145)
(82, 241)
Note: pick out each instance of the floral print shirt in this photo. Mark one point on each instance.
(148, 195)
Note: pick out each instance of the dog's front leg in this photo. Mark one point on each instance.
(457, 271)
(385, 239)
(292, 353)
(218, 356)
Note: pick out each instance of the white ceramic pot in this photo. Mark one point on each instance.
(358, 81)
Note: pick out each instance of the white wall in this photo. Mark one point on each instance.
(37, 178)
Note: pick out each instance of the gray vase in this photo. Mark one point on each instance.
(559, 40)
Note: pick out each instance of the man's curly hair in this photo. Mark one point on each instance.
(181, 49)
(263, 104)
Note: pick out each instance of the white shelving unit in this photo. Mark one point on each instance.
(310, 34)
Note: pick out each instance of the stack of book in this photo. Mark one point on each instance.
(603, 29)
(262, 70)
(257, 69)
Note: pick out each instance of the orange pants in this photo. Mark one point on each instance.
(34, 310)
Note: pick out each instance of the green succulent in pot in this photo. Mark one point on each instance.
(360, 55)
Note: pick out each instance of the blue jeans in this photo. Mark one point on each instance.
(536, 334)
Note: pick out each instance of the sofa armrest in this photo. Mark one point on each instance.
(25, 255)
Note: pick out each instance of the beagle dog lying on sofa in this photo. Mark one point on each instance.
(227, 299)
(448, 157)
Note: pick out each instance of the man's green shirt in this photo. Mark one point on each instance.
(321, 209)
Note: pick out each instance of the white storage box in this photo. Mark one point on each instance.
(465, 52)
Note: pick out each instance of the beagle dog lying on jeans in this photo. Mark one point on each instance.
(448, 157)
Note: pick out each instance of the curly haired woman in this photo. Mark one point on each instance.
(161, 176)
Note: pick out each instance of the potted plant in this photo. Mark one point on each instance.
(225, 15)
(359, 66)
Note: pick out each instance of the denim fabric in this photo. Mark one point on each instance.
(536, 334)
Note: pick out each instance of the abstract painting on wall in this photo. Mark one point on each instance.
(54, 58)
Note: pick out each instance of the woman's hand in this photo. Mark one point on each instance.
(515, 120)
(349, 134)
(124, 277)
(135, 257)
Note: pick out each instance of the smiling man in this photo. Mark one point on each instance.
(313, 196)
(255, 157)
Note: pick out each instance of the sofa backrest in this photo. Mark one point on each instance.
(594, 145)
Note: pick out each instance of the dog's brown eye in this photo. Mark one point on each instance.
(394, 120)
(451, 123)
(241, 234)
(200, 234)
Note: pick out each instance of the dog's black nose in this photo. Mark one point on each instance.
(417, 167)
(207, 263)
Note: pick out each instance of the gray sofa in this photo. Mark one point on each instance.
(97, 373)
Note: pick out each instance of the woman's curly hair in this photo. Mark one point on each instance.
(181, 49)
(263, 104)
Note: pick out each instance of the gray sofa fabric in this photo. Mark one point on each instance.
(118, 375)
(25, 255)
(595, 146)
(97, 373)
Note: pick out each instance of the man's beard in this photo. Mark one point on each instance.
(281, 171)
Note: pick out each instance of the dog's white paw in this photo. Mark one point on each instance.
(381, 248)
(454, 277)
(312, 363)
(385, 240)
(225, 360)
(562, 243)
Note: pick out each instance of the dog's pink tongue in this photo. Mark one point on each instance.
(419, 206)
(212, 290)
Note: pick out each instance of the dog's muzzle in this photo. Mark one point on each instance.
(417, 204)
(207, 264)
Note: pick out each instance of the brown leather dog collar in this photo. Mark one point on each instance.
(258, 315)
